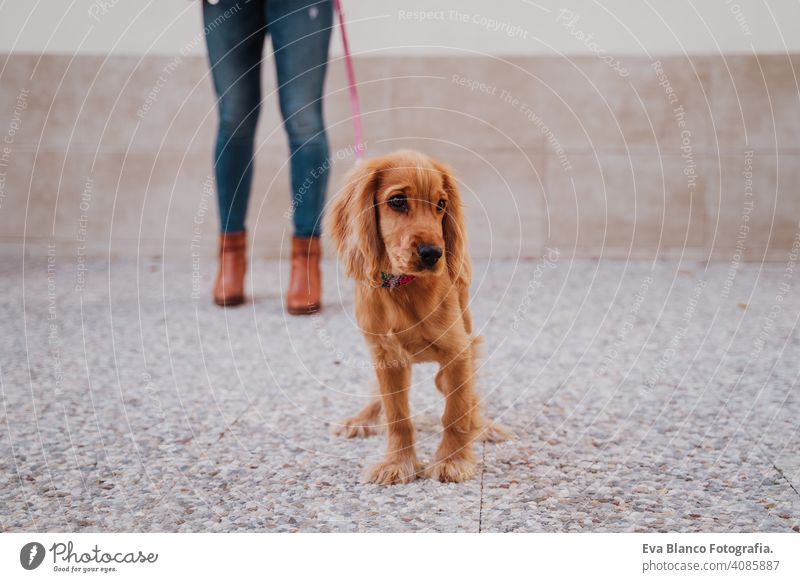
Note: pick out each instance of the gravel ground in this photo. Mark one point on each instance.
(644, 397)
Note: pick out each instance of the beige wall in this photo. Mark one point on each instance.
(551, 152)
(594, 154)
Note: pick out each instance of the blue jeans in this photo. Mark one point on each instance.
(235, 31)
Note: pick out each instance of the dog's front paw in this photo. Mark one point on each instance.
(356, 427)
(452, 470)
(393, 472)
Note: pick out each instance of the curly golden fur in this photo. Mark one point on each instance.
(397, 214)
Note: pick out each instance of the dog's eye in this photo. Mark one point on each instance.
(398, 202)
(440, 206)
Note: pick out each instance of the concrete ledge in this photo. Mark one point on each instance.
(694, 156)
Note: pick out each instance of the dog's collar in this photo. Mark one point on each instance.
(389, 281)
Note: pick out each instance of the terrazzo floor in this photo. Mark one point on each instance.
(645, 396)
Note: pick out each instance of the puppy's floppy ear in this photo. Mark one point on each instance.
(352, 222)
(454, 231)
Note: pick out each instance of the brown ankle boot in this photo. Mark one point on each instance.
(303, 297)
(229, 286)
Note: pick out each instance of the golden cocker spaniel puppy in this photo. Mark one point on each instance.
(398, 227)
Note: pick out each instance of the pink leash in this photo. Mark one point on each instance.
(355, 105)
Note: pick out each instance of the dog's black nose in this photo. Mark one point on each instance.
(429, 254)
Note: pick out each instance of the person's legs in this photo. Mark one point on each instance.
(301, 32)
(235, 33)
(235, 37)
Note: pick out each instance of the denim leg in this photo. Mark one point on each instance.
(235, 33)
(301, 32)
